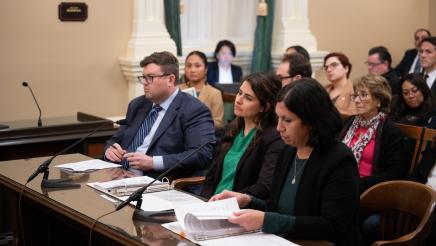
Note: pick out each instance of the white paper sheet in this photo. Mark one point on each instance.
(251, 239)
(87, 166)
(163, 200)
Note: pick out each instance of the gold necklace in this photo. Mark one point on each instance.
(299, 170)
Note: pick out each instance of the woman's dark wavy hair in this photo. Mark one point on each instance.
(312, 104)
(265, 86)
(401, 108)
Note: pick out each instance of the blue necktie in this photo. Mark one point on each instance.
(417, 66)
(143, 131)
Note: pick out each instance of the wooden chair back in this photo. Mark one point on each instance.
(428, 138)
(413, 143)
(406, 209)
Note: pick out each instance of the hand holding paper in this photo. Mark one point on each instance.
(249, 219)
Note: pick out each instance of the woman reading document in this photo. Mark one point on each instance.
(315, 193)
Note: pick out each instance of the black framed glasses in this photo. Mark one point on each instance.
(284, 77)
(373, 64)
(148, 79)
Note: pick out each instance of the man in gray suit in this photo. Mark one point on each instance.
(164, 126)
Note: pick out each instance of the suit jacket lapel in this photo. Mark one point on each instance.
(167, 119)
(433, 88)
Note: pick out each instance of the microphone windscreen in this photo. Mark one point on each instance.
(25, 83)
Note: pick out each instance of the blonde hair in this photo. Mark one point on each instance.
(378, 87)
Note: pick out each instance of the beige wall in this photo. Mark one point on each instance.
(353, 27)
(432, 17)
(72, 66)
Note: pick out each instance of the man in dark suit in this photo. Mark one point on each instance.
(427, 54)
(164, 126)
(410, 62)
(379, 63)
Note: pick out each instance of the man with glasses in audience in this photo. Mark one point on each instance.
(411, 62)
(379, 63)
(163, 126)
(293, 67)
(427, 55)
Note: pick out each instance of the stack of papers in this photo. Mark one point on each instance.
(125, 187)
(207, 224)
(208, 220)
(87, 166)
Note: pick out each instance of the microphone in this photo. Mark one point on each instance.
(60, 183)
(25, 84)
(137, 195)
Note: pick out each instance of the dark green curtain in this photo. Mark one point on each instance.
(261, 60)
(172, 22)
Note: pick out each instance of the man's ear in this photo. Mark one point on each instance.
(297, 77)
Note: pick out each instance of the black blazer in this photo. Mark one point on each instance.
(327, 199)
(255, 169)
(389, 159)
(433, 89)
(187, 124)
(406, 63)
(213, 73)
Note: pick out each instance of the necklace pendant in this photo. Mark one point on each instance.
(293, 181)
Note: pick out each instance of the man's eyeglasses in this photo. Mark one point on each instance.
(284, 77)
(148, 79)
(362, 96)
(412, 91)
(373, 64)
(332, 65)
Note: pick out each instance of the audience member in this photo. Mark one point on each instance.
(248, 153)
(410, 62)
(427, 54)
(379, 63)
(293, 67)
(376, 142)
(415, 104)
(298, 49)
(315, 193)
(164, 126)
(195, 74)
(338, 68)
(222, 70)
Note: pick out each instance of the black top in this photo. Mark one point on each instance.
(255, 169)
(327, 198)
(213, 73)
(394, 81)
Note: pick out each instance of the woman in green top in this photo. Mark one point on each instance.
(247, 155)
(315, 193)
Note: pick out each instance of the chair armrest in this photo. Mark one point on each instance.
(182, 182)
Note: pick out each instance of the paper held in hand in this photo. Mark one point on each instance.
(208, 220)
(207, 224)
(87, 166)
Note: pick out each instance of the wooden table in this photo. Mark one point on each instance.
(63, 217)
(24, 139)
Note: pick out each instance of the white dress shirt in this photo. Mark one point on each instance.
(431, 78)
(225, 75)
